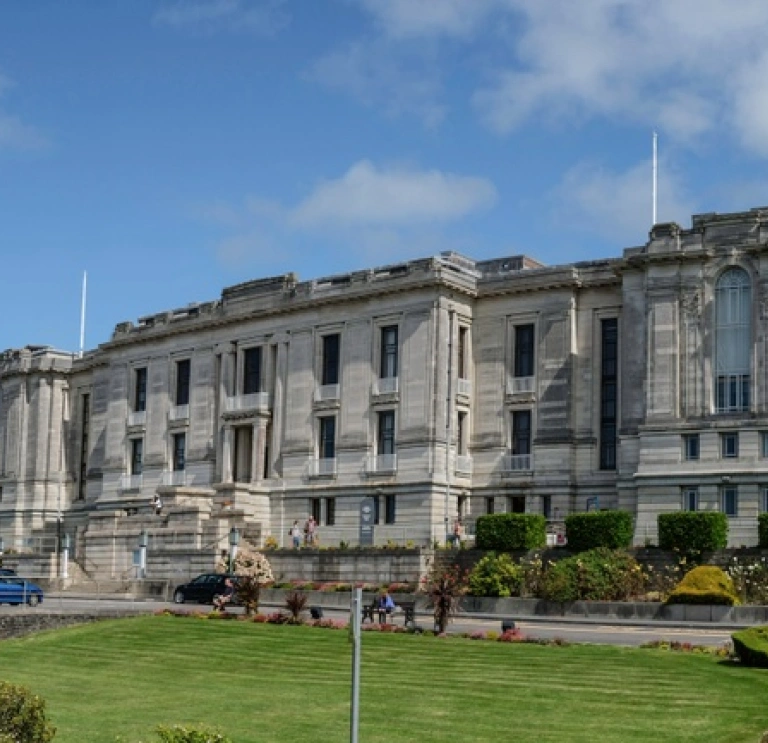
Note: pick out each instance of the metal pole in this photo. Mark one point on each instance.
(655, 175)
(354, 621)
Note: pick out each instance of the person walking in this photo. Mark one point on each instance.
(295, 533)
(312, 532)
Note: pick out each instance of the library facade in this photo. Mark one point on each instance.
(439, 388)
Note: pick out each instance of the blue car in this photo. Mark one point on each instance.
(14, 590)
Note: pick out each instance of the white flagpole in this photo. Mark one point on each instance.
(82, 315)
(655, 175)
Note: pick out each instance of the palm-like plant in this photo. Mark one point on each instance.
(444, 587)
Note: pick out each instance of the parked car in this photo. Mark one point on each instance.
(202, 589)
(15, 590)
(7, 571)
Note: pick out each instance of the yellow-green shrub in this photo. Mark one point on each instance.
(706, 584)
(751, 645)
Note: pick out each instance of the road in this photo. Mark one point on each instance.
(572, 631)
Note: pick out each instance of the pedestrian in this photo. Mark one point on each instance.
(157, 504)
(312, 532)
(221, 600)
(295, 534)
(458, 533)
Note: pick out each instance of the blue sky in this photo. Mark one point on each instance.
(174, 147)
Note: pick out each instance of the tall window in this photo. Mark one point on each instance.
(608, 392)
(462, 433)
(242, 455)
(314, 508)
(764, 500)
(330, 511)
(690, 499)
(390, 511)
(389, 339)
(179, 451)
(182, 382)
(86, 422)
(137, 456)
(327, 449)
(734, 341)
(729, 445)
(376, 509)
(489, 505)
(729, 501)
(140, 395)
(521, 432)
(386, 432)
(524, 354)
(691, 446)
(463, 370)
(251, 371)
(330, 369)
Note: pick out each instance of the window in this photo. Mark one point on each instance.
(691, 446)
(462, 506)
(524, 352)
(85, 416)
(182, 382)
(729, 445)
(764, 500)
(137, 456)
(463, 365)
(179, 451)
(489, 503)
(327, 448)
(330, 511)
(546, 506)
(251, 371)
(330, 367)
(764, 444)
(461, 433)
(729, 501)
(314, 508)
(388, 367)
(608, 392)
(140, 392)
(376, 509)
(733, 331)
(516, 504)
(690, 499)
(386, 432)
(389, 509)
(242, 455)
(521, 432)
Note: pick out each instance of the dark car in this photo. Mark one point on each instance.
(14, 590)
(7, 571)
(202, 589)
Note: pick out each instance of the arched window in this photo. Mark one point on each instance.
(733, 331)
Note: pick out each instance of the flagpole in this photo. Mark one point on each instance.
(82, 315)
(655, 175)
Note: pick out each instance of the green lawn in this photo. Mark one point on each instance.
(291, 684)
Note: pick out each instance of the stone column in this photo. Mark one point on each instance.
(259, 446)
(278, 403)
(226, 454)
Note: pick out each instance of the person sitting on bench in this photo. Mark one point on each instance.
(385, 606)
(221, 600)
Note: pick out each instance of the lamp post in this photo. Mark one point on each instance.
(143, 541)
(234, 541)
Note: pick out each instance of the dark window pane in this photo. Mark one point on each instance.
(182, 382)
(252, 371)
(330, 511)
(179, 451)
(389, 352)
(140, 398)
(330, 372)
(386, 432)
(389, 506)
(524, 354)
(137, 456)
(328, 437)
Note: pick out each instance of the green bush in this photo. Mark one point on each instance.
(504, 532)
(190, 734)
(751, 646)
(587, 531)
(762, 529)
(693, 532)
(22, 716)
(705, 584)
(596, 575)
(496, 575)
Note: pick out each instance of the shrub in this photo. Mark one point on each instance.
(610, 529)
(751, 646)
(762, 529)
(511, 531)
(496, 575)
(693, 532)
(22, 716)
(597, 575)
(444, 587)
(185, 734)
(750, 579)
(705, 584)
(296, 604)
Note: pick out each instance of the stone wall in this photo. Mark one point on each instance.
(18, 625)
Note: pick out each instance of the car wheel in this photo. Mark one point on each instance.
(178, 597)
(33, 600)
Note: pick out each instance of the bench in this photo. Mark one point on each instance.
(408, 609)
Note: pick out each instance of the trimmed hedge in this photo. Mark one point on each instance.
(610, 529)
(762, 529)
(693, 532)
(505, 532)
(751, 646)
(706, 584)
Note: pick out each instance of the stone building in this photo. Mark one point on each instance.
(438, 387)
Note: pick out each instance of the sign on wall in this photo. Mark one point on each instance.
(366, 522)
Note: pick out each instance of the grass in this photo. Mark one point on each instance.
(262, 683)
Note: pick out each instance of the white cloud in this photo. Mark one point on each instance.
(402, 82)
(15, 134)
(415, 18)
(618, 205)
(368, 195)
(688, 67)
(264, 17)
